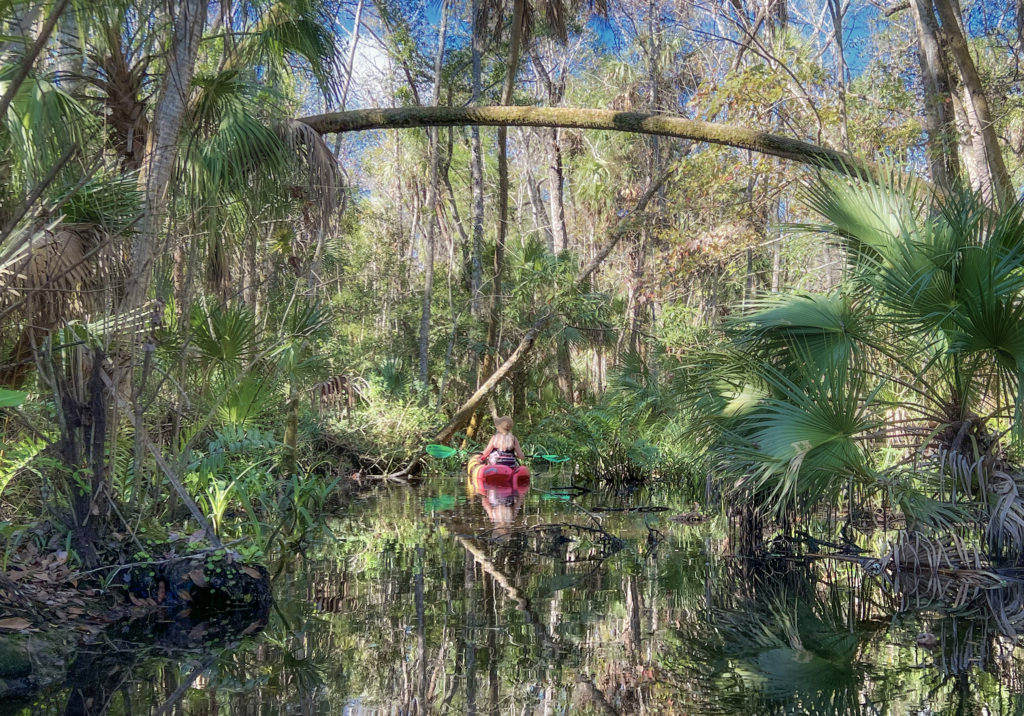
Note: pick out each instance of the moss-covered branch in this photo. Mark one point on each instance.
(664, 125)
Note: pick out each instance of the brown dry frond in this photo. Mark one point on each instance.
(323, 177)
(48, 277)
(41, 274)
(921, 553)
(1005, 529)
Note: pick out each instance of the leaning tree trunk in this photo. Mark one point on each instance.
(940, 124)
(159, 165)
(996, 186)
(665, 125)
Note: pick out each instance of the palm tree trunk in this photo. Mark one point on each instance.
(159, 166)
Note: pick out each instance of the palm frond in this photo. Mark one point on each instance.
(224, 335)
(802, 443)
(822, 329)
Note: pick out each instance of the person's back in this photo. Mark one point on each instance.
(503, 449)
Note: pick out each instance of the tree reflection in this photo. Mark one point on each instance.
(505, 602)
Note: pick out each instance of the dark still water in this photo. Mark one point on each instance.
(443, 599)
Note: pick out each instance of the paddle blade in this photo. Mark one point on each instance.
(553, 458)
(441, 451)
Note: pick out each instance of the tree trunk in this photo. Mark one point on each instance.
(431, 212)
(1019, 17)
(556, 178)
(343, 100)
(540, 219)
(837, 11)
(940, 124)
(776, 265)
(159, 166)
(18, 23)
(996, 186)
(291, 434)
(665, 125)
(639, 310)
(519, 392)
(494, 318)
(565, 378)
(477, 172)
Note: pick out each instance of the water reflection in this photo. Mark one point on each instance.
(487, 599)
(502, 497)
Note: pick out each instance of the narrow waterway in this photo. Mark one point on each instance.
(514, 599)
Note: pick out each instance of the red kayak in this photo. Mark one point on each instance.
(495, 475)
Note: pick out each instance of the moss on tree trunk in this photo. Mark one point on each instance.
(665, 125)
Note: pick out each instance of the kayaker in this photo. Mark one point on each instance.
(503, 449)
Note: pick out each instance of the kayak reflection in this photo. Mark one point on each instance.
(502, 495)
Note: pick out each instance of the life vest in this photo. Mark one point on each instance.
(504, 457)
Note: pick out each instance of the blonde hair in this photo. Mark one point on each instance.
(503, 438)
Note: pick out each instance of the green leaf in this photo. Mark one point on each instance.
(11, 398)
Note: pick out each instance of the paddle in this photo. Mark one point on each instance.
(444, 452)
(551, 458)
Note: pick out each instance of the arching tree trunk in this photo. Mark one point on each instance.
(665, 125)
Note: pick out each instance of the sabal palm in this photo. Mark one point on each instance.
(927, 325)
